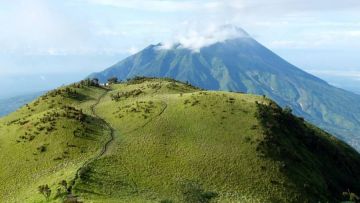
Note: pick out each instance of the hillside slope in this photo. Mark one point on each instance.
(47, 140)
(156, 140)
(243, 64)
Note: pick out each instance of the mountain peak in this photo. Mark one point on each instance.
(227, 58)
(229, 27)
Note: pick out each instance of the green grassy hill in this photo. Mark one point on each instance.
(158, 140)
(243, 64)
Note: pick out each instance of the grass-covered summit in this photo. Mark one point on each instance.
(158, 140)
(243, 64)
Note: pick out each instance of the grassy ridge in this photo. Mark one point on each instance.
(172, 143)
(171, 137)
(243, 64)
(320, 165)
(46, 141)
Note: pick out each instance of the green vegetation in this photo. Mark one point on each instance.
(47, 140)
(113, 80)
(45, 190)
(243, 64)
(159, 140)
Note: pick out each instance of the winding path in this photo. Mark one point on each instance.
(103, 150)
(112, 131)
(105, 147)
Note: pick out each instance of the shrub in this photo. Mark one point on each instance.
(64, 184)
(95, 82)
(113, 80)
(194, 193)
(45, 191)
(90, 82)
(84, 173)
(133, 93)
(247, 139)
(138, 79)
(42, 148)
(287, 110)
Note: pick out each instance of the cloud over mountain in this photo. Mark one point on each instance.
(197, 38)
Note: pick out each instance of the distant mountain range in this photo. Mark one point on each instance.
(9, 105)
(242, 64)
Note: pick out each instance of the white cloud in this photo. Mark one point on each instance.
(133, 50)
(80, 27)
(37, 26)
(157, 5)
(195, 39)
(271, 6)
(40, 26)
(54, 52)
(319, 40)
(113, 33)
(354, 33)
(278, 22)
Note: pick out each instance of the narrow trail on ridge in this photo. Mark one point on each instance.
(104, 148)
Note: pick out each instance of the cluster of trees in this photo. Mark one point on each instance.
(50, 118)
(68, 92)
(29, 107)
(95, 82)
(48, 121)
(138, 79)
(90, 82)
(64, 91)
(63, 192)
(26, 137)
(133, 80)
(154, 85)
(193, 102)
(113, 80)
(119, 95)
(72, 112)
(141, 79)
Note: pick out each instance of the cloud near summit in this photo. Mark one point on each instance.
(199, 37)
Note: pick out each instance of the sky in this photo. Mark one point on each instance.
(45, 44)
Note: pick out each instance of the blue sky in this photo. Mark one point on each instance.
(48, 43)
